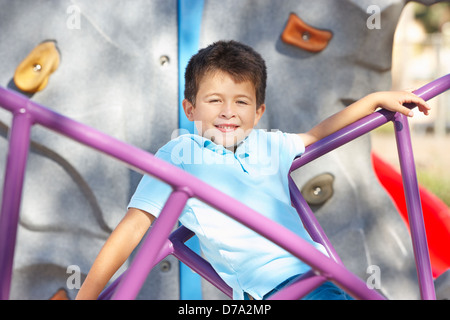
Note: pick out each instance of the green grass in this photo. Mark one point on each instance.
(387, 129)
(431, 178)
(436, 183)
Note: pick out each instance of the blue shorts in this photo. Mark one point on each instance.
(327, 291)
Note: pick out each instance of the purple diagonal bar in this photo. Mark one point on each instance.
(343, 136)
(146, 257)
(109, 291)
(432, 89)
(299, 247)
(19, 139)
(310, 221)
(196, 262)
(365, 125)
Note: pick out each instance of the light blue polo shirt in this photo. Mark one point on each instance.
(257, 175)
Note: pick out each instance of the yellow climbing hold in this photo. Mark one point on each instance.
(33, 72)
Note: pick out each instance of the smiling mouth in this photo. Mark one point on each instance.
(227, 127)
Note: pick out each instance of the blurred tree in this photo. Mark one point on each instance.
(433, 17)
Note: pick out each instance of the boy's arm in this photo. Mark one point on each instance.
(122, 241)
(391, 100)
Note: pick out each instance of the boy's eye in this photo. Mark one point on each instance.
(242, 102)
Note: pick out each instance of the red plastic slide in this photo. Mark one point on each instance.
(436, 213)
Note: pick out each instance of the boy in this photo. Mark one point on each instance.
(224, 96)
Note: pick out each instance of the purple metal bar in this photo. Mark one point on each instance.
(309, 220)
(297, 246)
(354, 131)
(108, 293)
(365, 125)
(19, 138)
(432, 89)
(319, 149)
(175, 246)
(145, 259)
(342, 137)
(414, 208)
(139, 159)
(198, 264)
(144, 162)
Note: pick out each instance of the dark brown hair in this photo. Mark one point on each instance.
(238, 60)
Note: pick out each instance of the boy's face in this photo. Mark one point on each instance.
(225, 111)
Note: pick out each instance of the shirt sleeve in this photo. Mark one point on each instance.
(151, 193)
(293, 145)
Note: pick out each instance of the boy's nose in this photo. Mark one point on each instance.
(228, 111)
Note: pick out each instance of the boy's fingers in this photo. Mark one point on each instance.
(407, 111)
(425, 109)
(421, 104)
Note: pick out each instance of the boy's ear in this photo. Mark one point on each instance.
(188, 108)
(259, 113)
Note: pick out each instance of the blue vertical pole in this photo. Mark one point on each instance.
(189, 22)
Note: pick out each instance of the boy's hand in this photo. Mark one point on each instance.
(394, 100)
(389, 100)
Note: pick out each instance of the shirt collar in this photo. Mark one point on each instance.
(243, 150)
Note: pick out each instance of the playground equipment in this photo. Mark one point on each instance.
(160, 241)
(436, 213)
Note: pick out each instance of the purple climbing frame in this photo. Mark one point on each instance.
(161, 241)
